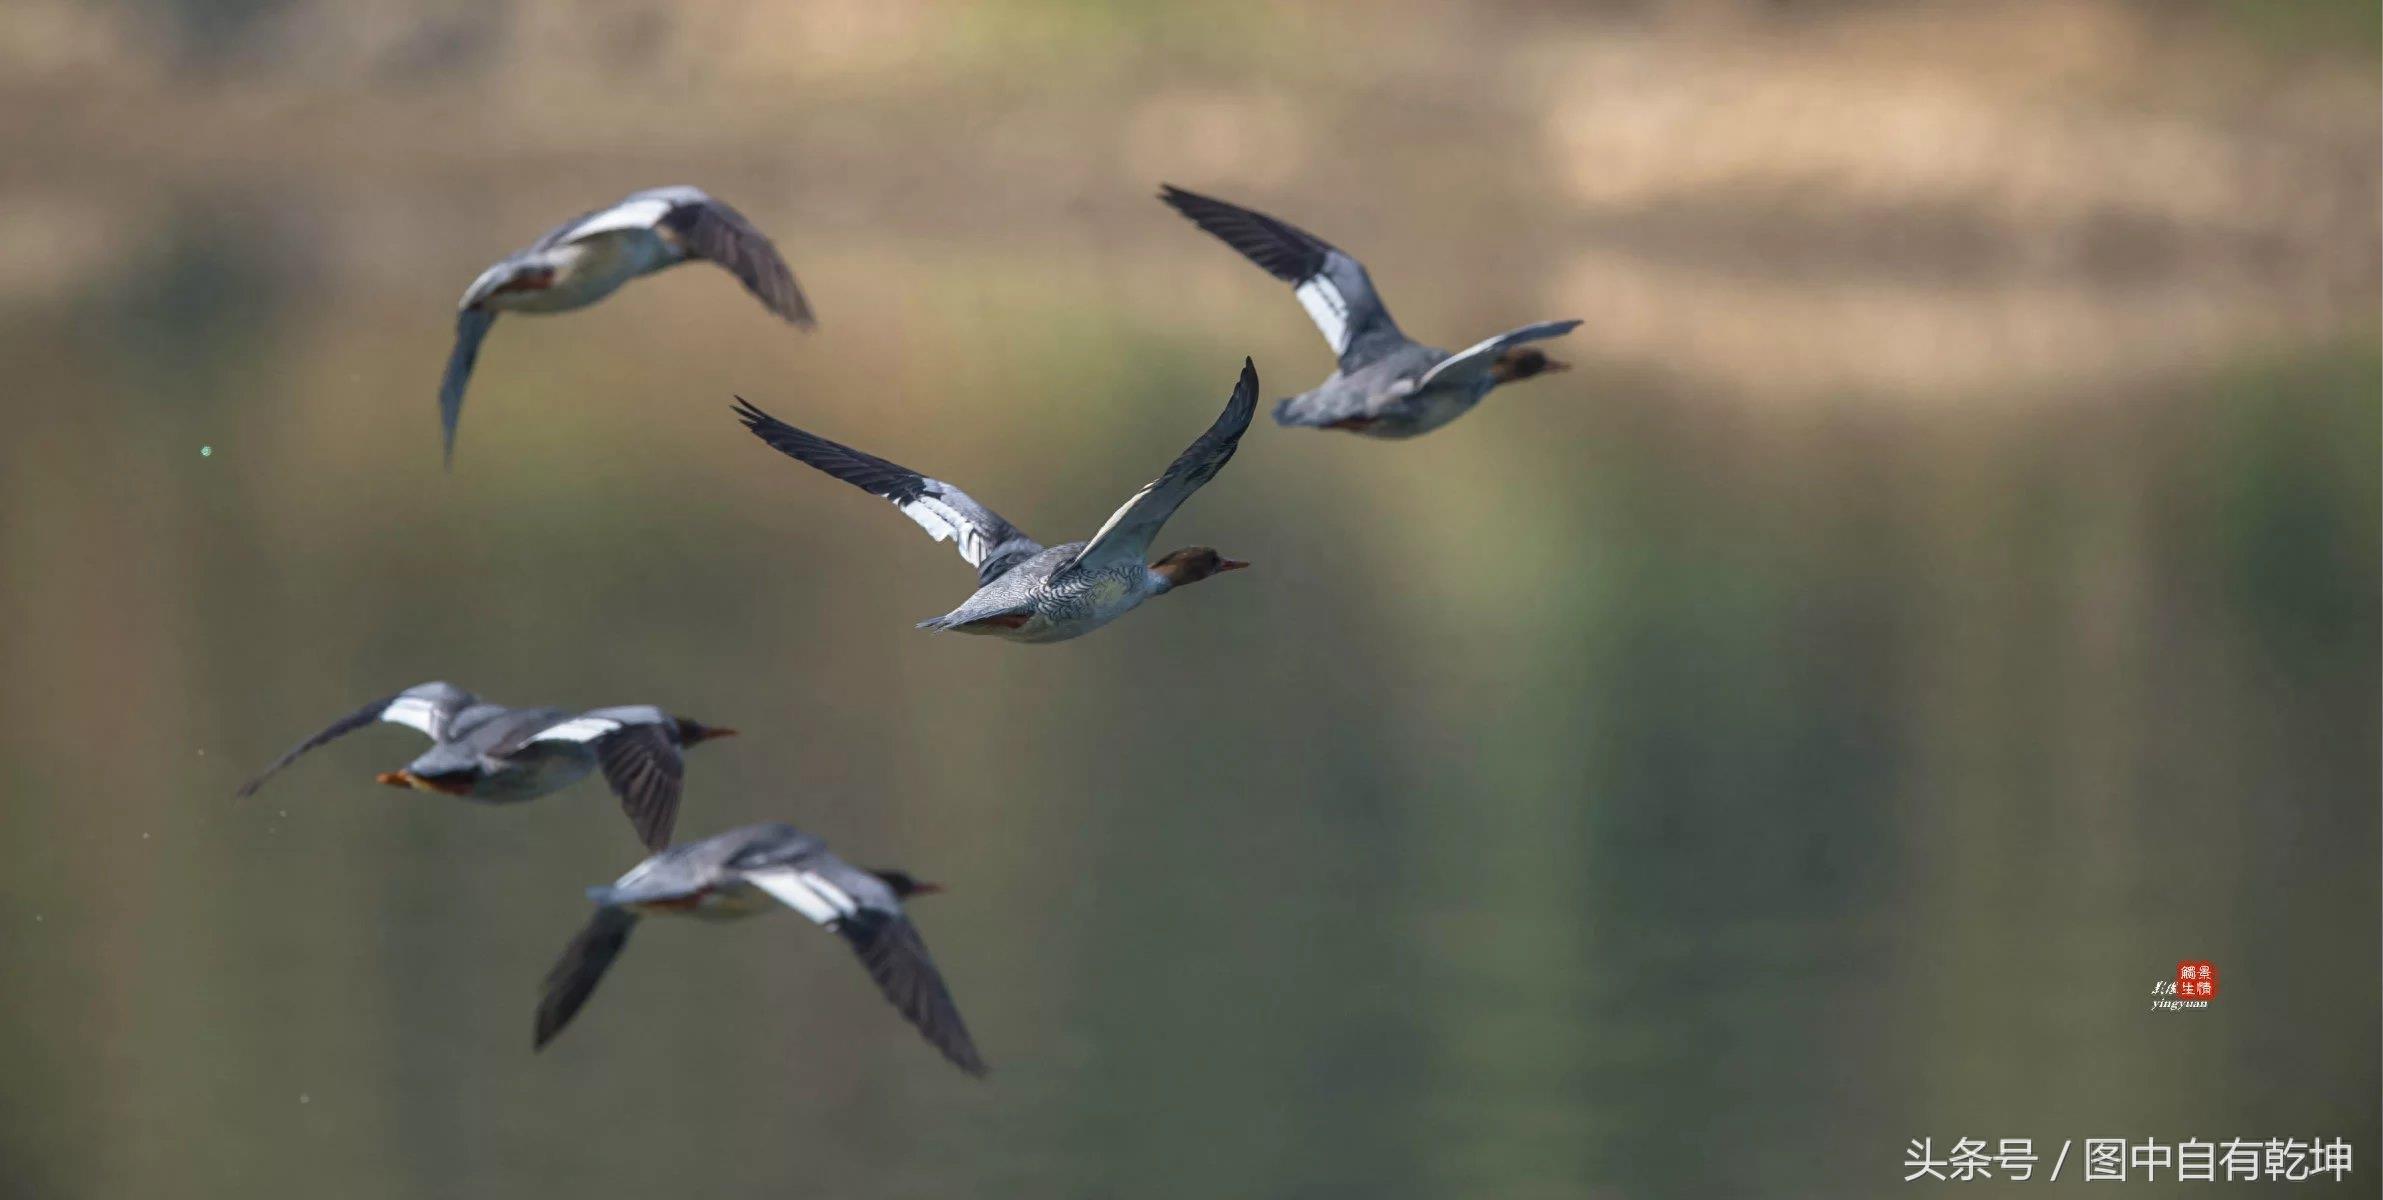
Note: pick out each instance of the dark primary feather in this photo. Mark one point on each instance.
(1297, 257)
(890, 948)
(471, 326)
(985, 539)
(643, 767)
(1286, 251)
(1131, 527)
(345, 725)
(712, 230)
(575, 975)
(871, 474)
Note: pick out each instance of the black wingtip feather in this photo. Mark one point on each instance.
(337, 729)
(575, 975)
(1244, 404)
(1282, 249)
(876, 476)
(642, 766)
(766, 427)
(471, 325)
(896, 957)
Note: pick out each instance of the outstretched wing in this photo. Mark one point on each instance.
(1333, 287)
(1472, 364)
(429, 707)
(896, 957)
(860, 909)
(471, 325)
(990, 544)
(1128, 531)
(581, 967)
(703, 228)
(643, 768)
(638, 749)
(710, 230)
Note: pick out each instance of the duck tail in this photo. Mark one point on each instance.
(1300, 411)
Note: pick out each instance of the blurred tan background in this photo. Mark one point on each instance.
(1944, 597)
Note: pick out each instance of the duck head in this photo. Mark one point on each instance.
(691, 731)
(1522, 362)
(1193, 564)
(904, 884)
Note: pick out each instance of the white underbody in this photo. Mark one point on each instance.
(727, 903)
(520, 779)
(1078, 606)
(1422, 411)
(590, 268)
(1442, 403)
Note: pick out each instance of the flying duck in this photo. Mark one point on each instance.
(750, 870)
(498, 755)
(1386, 386)
(1025, 591)
(588, 257)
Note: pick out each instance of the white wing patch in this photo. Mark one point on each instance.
(578, 729)
(635, 214)
(844, 903)
(1329, 310)
(806, 893)
(940, 522)
(1115, 518)
(415, 711)
(945, 523)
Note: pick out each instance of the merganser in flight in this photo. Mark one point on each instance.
(1387, 386)
(588, 257)
(1026, 592)
(498, 755)
(757, 869)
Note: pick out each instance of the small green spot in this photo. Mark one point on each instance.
(206, 452)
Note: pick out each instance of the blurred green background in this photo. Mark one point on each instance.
(1944, 597)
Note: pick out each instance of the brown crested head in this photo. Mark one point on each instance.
(1522, 362)
(904, 884)
(691, 731)
(1193, 564)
